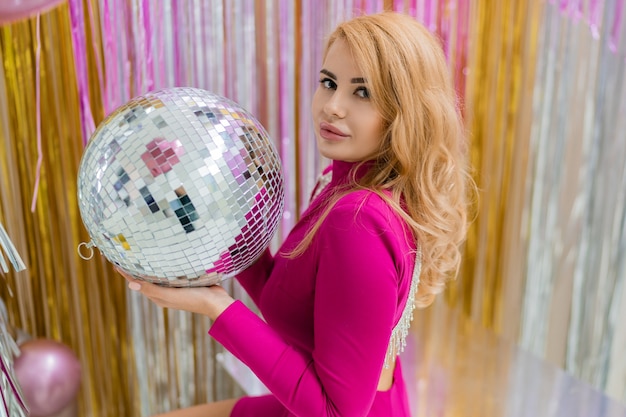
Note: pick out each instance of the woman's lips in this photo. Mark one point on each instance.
(330, 132)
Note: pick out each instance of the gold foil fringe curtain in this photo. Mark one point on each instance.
(500, 76)
(542, 90)
(59, 296)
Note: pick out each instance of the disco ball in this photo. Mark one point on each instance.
(180, 187)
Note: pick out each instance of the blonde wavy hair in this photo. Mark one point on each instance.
(421, 162)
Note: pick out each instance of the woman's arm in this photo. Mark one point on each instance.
(253, 279)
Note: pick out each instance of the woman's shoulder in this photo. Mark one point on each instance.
(366, 217)
(364, 199)
(364, 206)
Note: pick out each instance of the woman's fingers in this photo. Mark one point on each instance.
(133, 283)
(123, 273)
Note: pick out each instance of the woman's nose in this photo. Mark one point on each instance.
(336, 106)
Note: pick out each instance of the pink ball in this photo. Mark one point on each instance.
(14, 10)
(49, 374)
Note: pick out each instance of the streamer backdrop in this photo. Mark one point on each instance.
(542, 90)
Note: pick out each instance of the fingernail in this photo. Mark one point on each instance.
(134, 286)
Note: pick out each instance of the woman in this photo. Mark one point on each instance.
(338, 296)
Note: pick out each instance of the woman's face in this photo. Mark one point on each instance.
(347, 126)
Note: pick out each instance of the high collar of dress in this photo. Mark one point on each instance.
(342, 171)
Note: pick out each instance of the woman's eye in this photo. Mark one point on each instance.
(362, 92)
(328, 83)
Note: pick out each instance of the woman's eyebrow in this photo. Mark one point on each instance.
(330, 74)
(358, 80)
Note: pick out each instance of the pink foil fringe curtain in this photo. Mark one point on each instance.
(147, 54)
(77, 17)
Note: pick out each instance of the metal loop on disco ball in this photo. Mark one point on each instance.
(181, 187)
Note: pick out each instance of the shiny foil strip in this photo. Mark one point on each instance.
(8, 249)
(11, 396)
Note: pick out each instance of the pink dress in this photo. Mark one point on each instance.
(327, 314)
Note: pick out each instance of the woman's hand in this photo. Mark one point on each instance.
(209, 301)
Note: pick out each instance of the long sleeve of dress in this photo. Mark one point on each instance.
(356, 298)
(253, 279)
